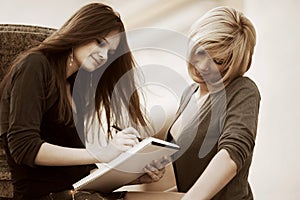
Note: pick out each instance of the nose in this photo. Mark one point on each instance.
(103, 54)
(201, 65)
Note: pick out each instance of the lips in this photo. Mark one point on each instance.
(96, 59)
(202, 72)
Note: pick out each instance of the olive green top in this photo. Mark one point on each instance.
(226, 120)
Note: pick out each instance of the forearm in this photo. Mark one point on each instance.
(218, 173)
(53, 155)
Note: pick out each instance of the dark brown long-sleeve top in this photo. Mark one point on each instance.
(226, 120)
(29, 118)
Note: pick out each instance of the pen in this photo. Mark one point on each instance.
(119, 129)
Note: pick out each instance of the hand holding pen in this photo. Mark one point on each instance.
(119, 129)
(121, 142)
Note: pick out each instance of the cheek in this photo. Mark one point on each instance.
(80, 58)
(193, 73)
(191, 70)
(83, 53)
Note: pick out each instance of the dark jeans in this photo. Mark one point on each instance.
(83, 195)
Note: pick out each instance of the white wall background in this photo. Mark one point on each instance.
(275, 170)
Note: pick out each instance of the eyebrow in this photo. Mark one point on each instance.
(200, 50)
(109, 44)
(104, 39)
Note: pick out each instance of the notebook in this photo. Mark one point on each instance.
(127, 167)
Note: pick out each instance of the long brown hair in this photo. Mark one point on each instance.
(87, 24)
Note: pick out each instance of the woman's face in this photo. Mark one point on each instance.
(93, 55)
(204, 68)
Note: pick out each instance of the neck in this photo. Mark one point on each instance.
(203, 89)
(71, 67)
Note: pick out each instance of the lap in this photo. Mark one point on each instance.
(153, 195)
(83, 195)
(132, 195)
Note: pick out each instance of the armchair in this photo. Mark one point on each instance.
(14, 39)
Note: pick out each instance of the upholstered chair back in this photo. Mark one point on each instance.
(13, 40)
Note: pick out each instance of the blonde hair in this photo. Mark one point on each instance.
(229, 36)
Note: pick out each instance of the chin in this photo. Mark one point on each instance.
(197, 79)
(89, 68)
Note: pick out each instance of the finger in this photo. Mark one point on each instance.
(124, 144)
(128, 136)
(151, 170)
(159, 170)
(124, 147)
(157, 164)
(131, 130)
(153, 176)
(163, 171)
(124, 138)
(130, 142)
(122, 134)
(165, 160)
(145, 179)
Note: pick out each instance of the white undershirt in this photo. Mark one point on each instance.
(188, 114)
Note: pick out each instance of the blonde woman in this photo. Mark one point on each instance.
(216, 122)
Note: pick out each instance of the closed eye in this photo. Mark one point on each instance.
(101, 43)
(218, 61)
(200, 51)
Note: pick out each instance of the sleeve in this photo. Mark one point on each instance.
(240, 124)
(27, 102)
